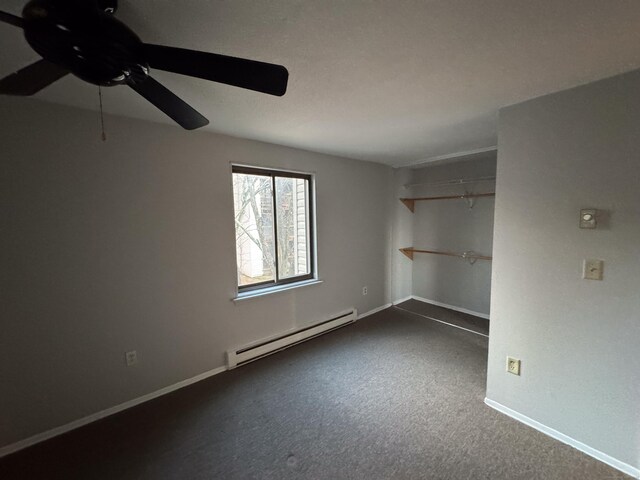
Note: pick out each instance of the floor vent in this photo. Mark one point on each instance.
(236, 358)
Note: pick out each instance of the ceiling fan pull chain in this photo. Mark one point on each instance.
(104, 135)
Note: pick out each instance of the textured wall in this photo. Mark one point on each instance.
(129, 244)
(578, 339)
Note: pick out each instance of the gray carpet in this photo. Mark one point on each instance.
(464, 320)
(395, 396)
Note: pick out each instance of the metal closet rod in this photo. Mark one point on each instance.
(409, 251)
(456, 181)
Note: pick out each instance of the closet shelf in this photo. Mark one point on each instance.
(470, 255)
(410, 202)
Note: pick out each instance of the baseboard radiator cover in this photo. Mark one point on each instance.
(250, 353)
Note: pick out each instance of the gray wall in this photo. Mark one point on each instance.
(579, 340)
(129, 244)
(450, 225)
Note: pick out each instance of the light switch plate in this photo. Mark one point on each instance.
(592, 269)
(588, 218)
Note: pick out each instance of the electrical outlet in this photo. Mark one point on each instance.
(513, 365)
(364, 290)
(131, 358)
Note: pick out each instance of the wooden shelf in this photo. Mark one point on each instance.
(409, 251)
(410, 202)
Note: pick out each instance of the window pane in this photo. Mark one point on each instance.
(255, 240)
(292, 215)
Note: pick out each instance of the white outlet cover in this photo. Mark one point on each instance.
(513, 365)
(131, 358)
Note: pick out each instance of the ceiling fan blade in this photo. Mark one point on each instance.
(11, 19)
(239, 72)
(30, 80)
(169, 103)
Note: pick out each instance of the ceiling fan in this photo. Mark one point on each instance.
(83, 37)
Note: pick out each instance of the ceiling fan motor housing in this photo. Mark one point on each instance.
(80, 36)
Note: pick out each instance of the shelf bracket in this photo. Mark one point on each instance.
(410, 203)
(408, 252)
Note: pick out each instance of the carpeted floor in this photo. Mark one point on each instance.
(462, 320)
(394, 396)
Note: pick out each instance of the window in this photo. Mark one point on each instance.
(274, 227)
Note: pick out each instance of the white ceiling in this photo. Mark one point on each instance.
(393, 81)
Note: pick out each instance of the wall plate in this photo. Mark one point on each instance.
(588, 218)
(513, 365)
(592, 269)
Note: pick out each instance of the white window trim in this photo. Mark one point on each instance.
(276, 289)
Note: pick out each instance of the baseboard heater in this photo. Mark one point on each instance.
(236, 358)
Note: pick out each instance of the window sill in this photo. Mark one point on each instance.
(269, 290)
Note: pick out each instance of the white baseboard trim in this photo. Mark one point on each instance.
(451, 307)
(375, 310)
(592, 452)
(54, 432)
(396, 302)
